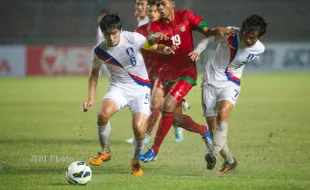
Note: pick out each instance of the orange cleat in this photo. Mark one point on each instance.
(101, 157)
(136, 168)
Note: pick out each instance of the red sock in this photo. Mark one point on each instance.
(152, 121)
(163, 128)
(190, 125)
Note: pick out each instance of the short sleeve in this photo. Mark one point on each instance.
(197, 22)
(139, 39)
(96, 62)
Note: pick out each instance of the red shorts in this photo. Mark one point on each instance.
(179, 90)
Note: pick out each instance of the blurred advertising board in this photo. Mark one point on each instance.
(12, 61)
(58, 60)
(279, 56)
(76, 60)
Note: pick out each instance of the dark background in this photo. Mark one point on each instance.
(73, 22)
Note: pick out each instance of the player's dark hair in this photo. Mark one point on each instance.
(151, 2)
(110, 22)
(254, 23)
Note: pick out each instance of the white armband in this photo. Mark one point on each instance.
(201, 46)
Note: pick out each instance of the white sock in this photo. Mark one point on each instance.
(137, 148)
(104, 134)
(226, 154)
(219, 137)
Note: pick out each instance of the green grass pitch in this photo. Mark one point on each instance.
(43, 129)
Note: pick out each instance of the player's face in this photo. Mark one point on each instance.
(250, 38)
(152, 13)
(112, 37)
(140, 8)
(165, 7)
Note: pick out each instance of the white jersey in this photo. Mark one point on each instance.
(228, 61)
(124, 61)
(143, 21)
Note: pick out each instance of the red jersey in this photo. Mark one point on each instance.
(150, 58)
(179, 65)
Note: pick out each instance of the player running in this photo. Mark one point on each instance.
(130, 86)
(221, 82)
(178, 72)
(152, 66)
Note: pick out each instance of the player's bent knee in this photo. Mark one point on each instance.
(169, 105)
(103, 118)
(139, 133)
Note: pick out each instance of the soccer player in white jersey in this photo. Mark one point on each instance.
(221, 82)
(140, 12)
(129, 86)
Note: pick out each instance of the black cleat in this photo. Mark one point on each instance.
(228, 166)
(211, 161)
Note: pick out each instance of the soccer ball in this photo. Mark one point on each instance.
(79, 173)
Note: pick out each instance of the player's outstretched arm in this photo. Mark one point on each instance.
(92, 85)
(159, 48)
(194, 55)
(221, 31)
(156, 36)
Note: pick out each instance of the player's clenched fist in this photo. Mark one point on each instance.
(170, 50)
(87, 105)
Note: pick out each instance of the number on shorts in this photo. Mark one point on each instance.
(237, 92)
(147, 98)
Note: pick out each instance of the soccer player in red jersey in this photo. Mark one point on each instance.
(152, 66)
(178, 72)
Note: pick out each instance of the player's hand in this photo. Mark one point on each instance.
(194, 56)
(223, 31)
(160, 36)
(170, 50)
(87, 105)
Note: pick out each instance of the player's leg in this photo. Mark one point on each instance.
(227, 99)
(211, 121)
(140, 108)
(173, 98)
(108, 108)
(187, 123)
(225, 153)
(209, 107)
(139, 125)
(157, 97)
(220, 137)
(113, 101)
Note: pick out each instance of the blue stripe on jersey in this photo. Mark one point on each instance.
(107, 58)
(233, 48)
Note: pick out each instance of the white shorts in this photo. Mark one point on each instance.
(211, 96)
(135, 97)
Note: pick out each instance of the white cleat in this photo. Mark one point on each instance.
(130, 140)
